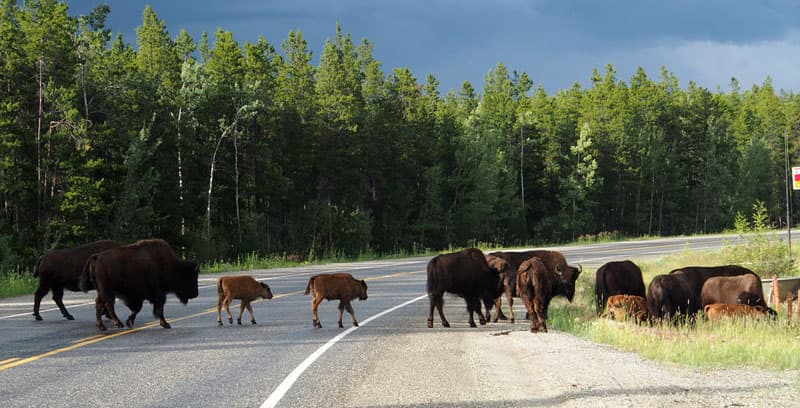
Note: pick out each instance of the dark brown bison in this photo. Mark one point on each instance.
(245, 288)
(341, 286)
(627, 307)
(696, 276)
(145, 270)
(670, 297)
(505, 273)
(466, 274)
(745, 289)
(617, 278)
(718, 311)
(536, 286)
(61, 269)
(554, 261)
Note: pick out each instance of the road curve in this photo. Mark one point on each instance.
(391, 360)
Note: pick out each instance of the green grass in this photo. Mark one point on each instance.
(16, 285)
(763, 344)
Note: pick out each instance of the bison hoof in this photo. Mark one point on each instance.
(101, 327)
(239, 322)
(512, 320)
(447, 324)
(166, 325)
(472, 324)
(341, 326)
(482, 322)
(37, 317)
(501, 317)
(355, 324)
(253, 321)
(230, 320)
(430, 323)
(219, 322)
(69, 317)
(118, 325)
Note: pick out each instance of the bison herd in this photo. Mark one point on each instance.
(150, 270)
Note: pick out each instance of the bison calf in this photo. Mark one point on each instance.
(534, 286)
(624, 307)
(341, 286)
(245, 288)
(717, 311)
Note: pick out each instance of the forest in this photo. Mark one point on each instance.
(225, 149)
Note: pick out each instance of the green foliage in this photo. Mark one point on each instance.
(226, 149)
(764, 344)
(13, 284)
(758, 248)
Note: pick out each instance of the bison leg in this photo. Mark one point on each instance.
(135, 307)
(510, 300)
(437, 301)
(250, 309)
(98, 308)
(220, 298)
(158, 311)
(529, 307)
(58, 296)
(109, 307)
(341, 311)
(227, 304)
(314, 305)
(472, 305)
(349, 309)
(41, 291)
(242, 307)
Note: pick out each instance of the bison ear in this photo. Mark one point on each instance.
(263, 285)
(363, 282)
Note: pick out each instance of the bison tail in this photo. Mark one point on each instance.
(308, 287)
(86, 280)
(38, 264)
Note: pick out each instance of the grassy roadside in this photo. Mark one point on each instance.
(773, 345)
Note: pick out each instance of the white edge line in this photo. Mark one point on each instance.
(287, 382)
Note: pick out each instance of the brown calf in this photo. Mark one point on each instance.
(341, 286)
(505, 273)
(717, 311)
(535, 287)
(245, 288)
(625, 307)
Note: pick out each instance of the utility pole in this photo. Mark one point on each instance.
(788, 202)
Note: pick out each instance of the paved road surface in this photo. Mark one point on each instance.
(391, 360)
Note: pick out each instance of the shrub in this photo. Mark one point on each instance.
(760, 250)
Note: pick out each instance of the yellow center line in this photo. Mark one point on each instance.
(13, 362)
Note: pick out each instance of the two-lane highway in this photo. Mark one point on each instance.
(280, 361)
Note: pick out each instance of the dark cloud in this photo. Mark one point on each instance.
(555, 42)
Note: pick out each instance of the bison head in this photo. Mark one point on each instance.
(187, 272)
(362, 290)
(266, 293)
(569, 274)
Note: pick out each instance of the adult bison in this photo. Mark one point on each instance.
(670, 296)
(337, 286)
(466, 274)
(745, 289)
(554, 261)
(696, 276)
(145, 270)
(61, 269)
(617, 278)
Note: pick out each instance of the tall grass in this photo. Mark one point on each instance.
(730, 343)
(14, 284)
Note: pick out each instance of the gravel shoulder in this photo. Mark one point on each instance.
(514, 368)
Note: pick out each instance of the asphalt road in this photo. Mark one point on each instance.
(281, 360)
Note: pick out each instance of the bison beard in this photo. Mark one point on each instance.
(465, 274)
(148, 270)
